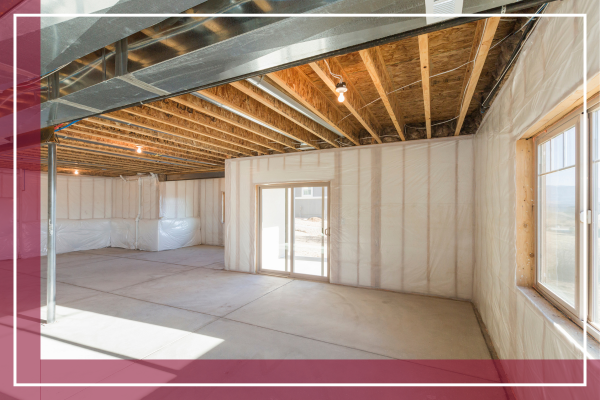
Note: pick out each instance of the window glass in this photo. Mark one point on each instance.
(557, 215)
(595, 236)
(557, 152)
(570, 147)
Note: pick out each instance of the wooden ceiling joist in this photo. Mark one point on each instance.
(231, 97)
(276, 140)
(297, 85)
(103, 139)
(241, 136)
(200, 141)
(100, 149)
(476, 40)
(486, 42)
(353, 102)
(199, 132)
(79, 155)
(424, 57)
(279, 107)
(144, 133)
(133, 139)
(373, 60)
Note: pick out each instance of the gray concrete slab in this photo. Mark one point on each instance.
(393, 324)
(205, 290)
(226, 339)
(171, 310)
(116, 327)
(113, 274)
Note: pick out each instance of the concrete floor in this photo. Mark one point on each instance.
(181, 304)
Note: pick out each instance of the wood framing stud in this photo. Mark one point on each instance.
(424, 56)
(525, 213)
(353, 102)
(484, 48)
(373, 60)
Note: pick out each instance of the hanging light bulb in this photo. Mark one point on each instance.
(139, 149)
(76, 172)
(341, 89)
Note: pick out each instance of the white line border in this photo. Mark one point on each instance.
(16, 384)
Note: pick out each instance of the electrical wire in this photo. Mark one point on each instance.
(67, 125)
(441, 73)
(339, 77)
(439, 123)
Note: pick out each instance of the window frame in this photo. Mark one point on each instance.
(593, 326)
(576, 311)
(585, 195)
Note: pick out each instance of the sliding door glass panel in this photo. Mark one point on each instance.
(557, 215)
(595, 236)
(274, 230)
(308, 231)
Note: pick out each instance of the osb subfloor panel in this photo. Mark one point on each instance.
(181, 304)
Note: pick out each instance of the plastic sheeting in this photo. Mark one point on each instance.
(176, 233)
(71, 235)
(122, 233)
(548, 70)
(401, 213)
(96, 212)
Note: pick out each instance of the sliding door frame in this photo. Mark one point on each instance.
(290, 249)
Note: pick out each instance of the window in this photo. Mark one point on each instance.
(594, 280)
(568, 216)
(307, 192)
(557, 213)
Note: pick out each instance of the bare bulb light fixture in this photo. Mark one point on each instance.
(341, 89)
(76, 172)
(139, 149)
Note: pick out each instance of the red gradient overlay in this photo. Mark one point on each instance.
(33, 370)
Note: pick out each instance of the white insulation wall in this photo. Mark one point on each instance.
(547, 71)
(97, 212)
(401, 214)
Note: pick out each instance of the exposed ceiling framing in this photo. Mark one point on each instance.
(420, 87)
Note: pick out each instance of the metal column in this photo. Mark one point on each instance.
(51, 275)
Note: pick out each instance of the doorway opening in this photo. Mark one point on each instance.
(294, 230)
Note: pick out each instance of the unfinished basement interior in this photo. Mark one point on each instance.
(340, 188)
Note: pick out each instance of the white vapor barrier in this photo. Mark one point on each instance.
(401, 217)
(71, 235)
(77, 197)
(178, 232)
(96, 212)
(179, 199)
(548, 70)
(126, 202)
(122, 233)
(210, 210)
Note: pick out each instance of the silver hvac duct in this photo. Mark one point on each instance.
(182, 54)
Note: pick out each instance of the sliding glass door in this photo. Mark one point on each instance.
(294, 230)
